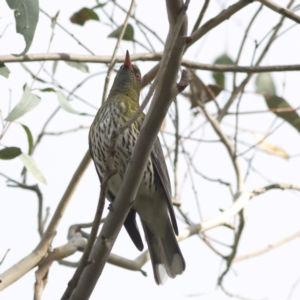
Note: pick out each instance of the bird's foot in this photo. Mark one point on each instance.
(110, 207)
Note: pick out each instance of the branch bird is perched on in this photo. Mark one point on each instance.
(153, 201)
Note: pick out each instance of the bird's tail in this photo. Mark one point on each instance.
(165, 254)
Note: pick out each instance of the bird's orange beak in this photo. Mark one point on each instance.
(127, 62)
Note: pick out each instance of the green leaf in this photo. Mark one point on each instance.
(54, 66)
(4, 71)
(10, 152)
(29, 138)
(100, 5)
(64, 103)
(26, 15)
(49, 89)
(80, 66)
(296, 8)
(264, 84)
(28, 102)
(274, 102)
(219, 77)
(31, 166)
(128, 35)
(83, 15)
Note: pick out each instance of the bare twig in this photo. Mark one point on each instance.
(35, 188)
(201, 15)
(176, 124)
(221, 17)
(30, 261)
(92, 237)
(229, 147)
(66, 131)
(69, 33)
(139, 22)
(244, 40)
(240, 88)
(281, 186)
(4, 256)
(281, 10)
(293, 289)
(268, 248)
(113, 58)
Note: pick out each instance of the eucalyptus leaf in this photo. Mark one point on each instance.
(219, 77)
(264, 84)
(80, 66)
(4, 71)
(128, 35)
(100, 5)
(65, 104)
(28, 102)
(31, 166)
(26, 16)
(54, 66)
(10, 153)
(29, 138)
(49, 89)
(274, 102)
(296, 8)
(270, 148)
(83, 15)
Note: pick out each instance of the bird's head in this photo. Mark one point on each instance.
(128, 80)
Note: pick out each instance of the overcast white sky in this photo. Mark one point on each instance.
(269, 217)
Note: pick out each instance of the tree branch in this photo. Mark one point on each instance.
(144, 57)
(268, 248)
(30, 261)
(221, 17)
(281, 10)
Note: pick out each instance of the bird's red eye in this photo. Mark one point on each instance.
(138, 76)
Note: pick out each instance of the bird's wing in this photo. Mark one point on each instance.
(160, 167)
(130, 222)
(159, 163)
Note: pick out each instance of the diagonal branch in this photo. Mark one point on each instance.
(268, 248)
(221, 17)
(281, 10)
(33, 259)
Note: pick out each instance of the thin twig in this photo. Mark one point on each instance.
(113, 58)
(268, 248)
(35, 188)
(34, 258)
(281, 10)
(243, 42)
(69, 33)
(240, 88)
(66, 131)
(4, 256)
(201, 15)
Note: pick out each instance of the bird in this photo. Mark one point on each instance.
(153, 202)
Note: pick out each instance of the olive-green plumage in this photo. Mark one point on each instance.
(153, 202)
